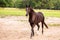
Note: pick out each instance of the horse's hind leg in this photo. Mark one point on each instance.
(45, 25)
(42, 27)
(38, 26)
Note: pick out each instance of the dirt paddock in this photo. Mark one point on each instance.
(18, 28)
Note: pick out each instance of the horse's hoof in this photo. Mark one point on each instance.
(38, 33)
(31, 36)
(47, 28)
(42, 32)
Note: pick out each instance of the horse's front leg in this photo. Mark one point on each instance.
(32, 29)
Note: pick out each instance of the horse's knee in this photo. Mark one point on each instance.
(32, 31)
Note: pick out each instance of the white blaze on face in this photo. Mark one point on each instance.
(27, 9)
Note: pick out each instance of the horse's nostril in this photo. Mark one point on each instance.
(26, 14)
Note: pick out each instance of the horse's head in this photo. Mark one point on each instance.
(28, 10)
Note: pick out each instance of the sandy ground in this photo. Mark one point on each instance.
(18, 28)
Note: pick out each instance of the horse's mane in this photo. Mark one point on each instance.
(31, 9)
(31, 12)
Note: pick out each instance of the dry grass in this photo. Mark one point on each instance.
(21, 12)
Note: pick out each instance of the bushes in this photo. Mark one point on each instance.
(38, 4)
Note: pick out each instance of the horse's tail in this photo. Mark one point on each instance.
(45, 25)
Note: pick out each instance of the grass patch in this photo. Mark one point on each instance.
(50, 13)
(12, 12)
(54, 24)
(21, 12)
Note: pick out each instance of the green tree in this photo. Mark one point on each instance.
(57, 5)
(2, 3)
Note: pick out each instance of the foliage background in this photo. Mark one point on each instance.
(37, 4)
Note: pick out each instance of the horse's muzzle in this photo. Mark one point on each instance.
(26, 14)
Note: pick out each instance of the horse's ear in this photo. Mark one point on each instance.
(29, 5)
(26, 5)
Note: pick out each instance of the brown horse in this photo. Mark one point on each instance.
(35, 18)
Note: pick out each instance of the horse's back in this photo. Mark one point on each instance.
(40, 13)
(40, 16)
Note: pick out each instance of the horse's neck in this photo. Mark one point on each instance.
(31, 14)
